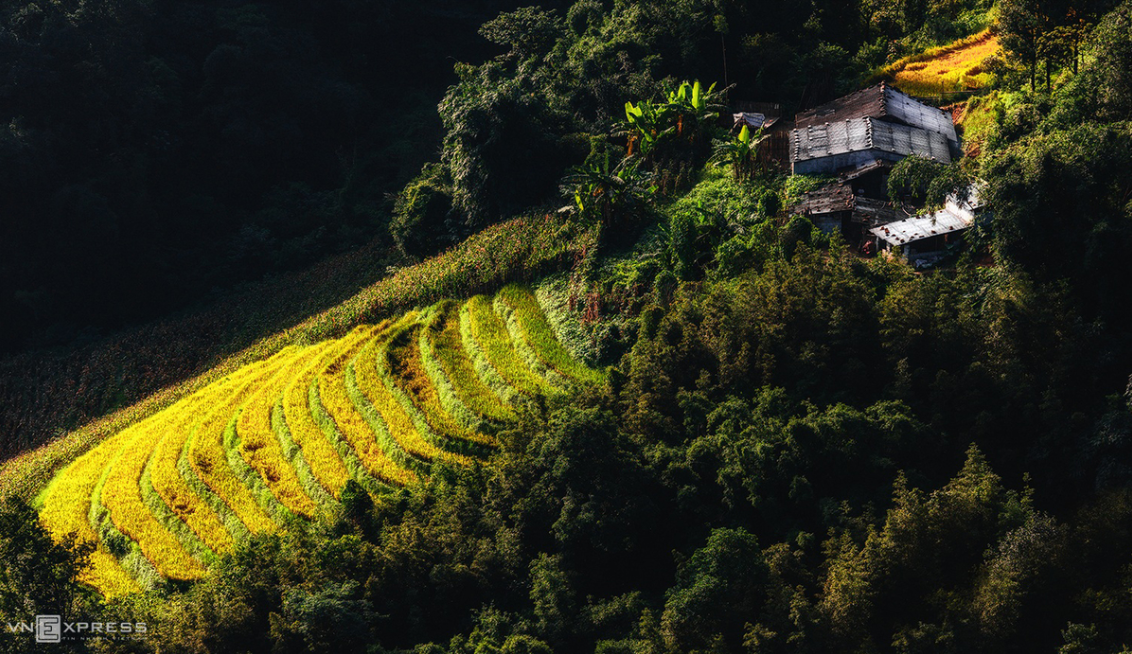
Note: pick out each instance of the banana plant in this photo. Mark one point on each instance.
(741, 152)
(605, 194)
(690, 101)
(646, 124)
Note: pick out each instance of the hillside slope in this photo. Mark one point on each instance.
(281, 438)
(957, 66)
(518, 250)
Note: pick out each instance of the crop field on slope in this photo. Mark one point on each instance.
(956, 66)
(278, 439)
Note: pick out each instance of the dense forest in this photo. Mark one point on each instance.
(790, 447)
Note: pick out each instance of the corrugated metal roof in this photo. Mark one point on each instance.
(910, 140)
(832, 198)
(921, 227)
(883, 103)
(861, 171)
(839, 198)
(873, 212)
(753, 120)
(862, 134)
(967, 201)
(917, 114)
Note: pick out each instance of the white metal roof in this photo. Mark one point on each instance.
(753, 120)
(860, 134)
(921, 227)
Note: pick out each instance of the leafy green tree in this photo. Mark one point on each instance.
(1102, 92)
(1061, 213)
(611, 196)
(1023, 25)
(552, 597)
(505, 148)
(329, 620)
(718, 590)
(925, 181)
(527, 31)
(37, 575)
(421, 211)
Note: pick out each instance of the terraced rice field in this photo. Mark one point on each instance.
(277, 440)
(957, 66)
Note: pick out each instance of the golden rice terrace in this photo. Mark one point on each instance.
(958, 66)
(278, 439)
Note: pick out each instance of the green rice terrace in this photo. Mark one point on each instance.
(279, 439)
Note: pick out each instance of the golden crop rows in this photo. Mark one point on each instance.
(280, 437)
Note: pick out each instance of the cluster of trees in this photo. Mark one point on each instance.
(1047, 33)
(782, 462)
(156, 151)
(1058, 175)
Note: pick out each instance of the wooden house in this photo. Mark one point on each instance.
(925, 239)
(877, 123)
(838, 209)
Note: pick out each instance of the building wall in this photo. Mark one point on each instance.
(833, 163)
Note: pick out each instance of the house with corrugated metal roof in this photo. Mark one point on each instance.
(882, 102)
(856, 142)
(925, 239)
(877, 123)
(836, 208)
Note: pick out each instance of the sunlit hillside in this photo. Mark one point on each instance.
(280, 438)
(956, 66)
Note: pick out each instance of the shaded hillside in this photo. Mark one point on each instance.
(157, 151)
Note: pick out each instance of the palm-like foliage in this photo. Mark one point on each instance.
(741, 152)
(606, 194)
(686, 108)
(693, 106)
(646, 124)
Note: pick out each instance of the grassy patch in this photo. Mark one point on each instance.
(378, 406)
(259, 445)
(534, 330)
(209, 458)
(336, 400)
(121, 496)
(294, 454)
(404, 375)
(553, 295)
(307, 436)
(169, 496)
(487, 333)
(957, 66)
(442, 343)
(277, 439)
(518, 250)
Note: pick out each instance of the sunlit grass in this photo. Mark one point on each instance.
(957, 66)
(455, 372)
(259, 445)
(381, 409)
(278, 438)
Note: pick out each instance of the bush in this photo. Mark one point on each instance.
(420, 213)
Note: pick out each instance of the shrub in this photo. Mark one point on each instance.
(420, 212)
